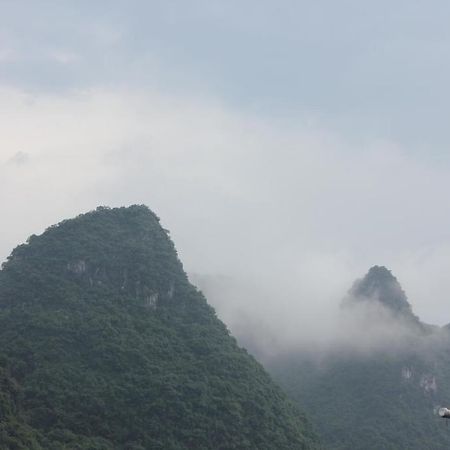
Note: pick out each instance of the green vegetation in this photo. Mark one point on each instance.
(368, 403)
(383, 399)
(379, 284)
(104, 344)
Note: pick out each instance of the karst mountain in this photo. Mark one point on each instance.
(381, 387)
(105, 344)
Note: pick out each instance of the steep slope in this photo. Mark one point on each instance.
(379, 285)
(104, 344)
(379, 396)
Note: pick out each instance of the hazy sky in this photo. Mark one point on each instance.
(287, 145)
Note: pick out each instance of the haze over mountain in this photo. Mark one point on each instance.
(374, 312)
(381, 387)
(104, 344)
(380, 286)
(288, 145)
(301, 135)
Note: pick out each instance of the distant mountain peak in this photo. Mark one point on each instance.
(379, 285)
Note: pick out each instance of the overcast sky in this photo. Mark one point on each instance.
(287, 145)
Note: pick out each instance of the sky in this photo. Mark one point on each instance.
(287, 145)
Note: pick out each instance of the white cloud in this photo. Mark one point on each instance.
(289, 213)
(63, 57)
(7, 55)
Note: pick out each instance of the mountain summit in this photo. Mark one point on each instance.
(379, 285)
(382, 378)
(104, 344)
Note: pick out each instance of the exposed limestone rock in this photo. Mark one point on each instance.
(407, 373)
(77, 267)
(428, 383)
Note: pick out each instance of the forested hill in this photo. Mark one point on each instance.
(380, 388)
(379, 285)
(104, 344)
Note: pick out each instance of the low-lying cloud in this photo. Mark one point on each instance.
(278, 216)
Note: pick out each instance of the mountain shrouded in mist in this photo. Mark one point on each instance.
(104, 344)
(381, 286)
(382, 390)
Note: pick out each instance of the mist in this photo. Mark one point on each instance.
(281, 179)
(274, 329)
(286, 215)
(287, 148)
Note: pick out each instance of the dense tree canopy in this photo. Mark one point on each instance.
(104, 344)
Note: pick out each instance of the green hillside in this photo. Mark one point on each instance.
(104, 344)
(381, 398)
